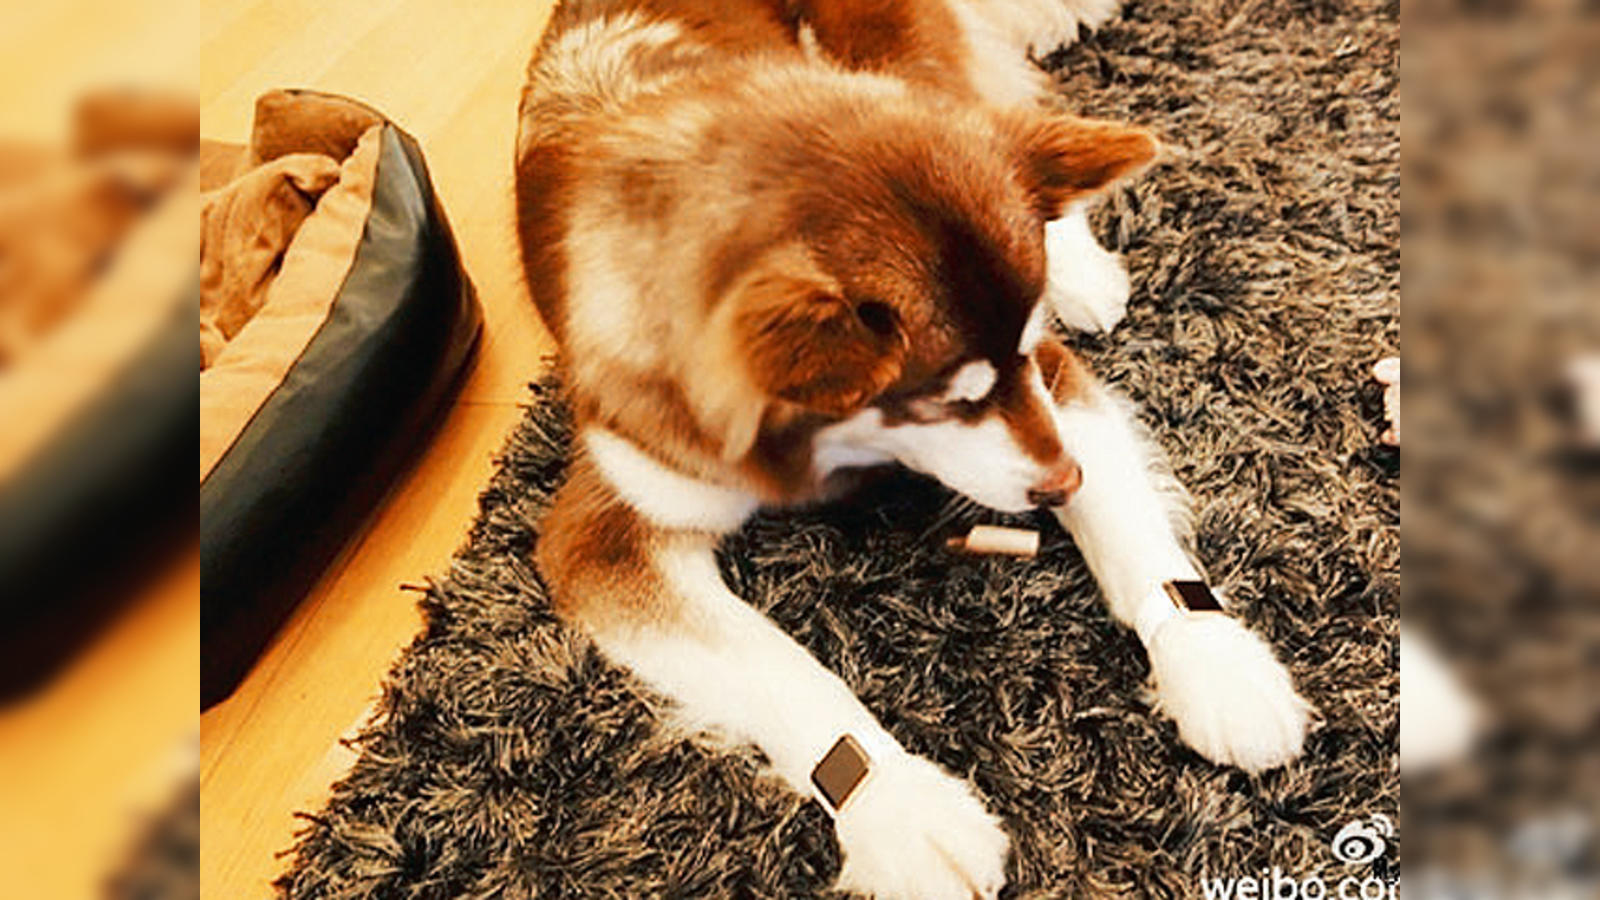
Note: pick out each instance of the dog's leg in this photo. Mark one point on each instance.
(654, 602)
(1087, 285)
(1039, 27)
(1231, 698)
(1001, 35)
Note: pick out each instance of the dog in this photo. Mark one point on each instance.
(779, 241)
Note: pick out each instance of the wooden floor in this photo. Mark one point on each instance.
(449, 73)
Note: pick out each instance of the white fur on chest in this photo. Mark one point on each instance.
(667, 498)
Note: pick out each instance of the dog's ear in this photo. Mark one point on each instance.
(1061, 159)
(806, 344)
(783, 335)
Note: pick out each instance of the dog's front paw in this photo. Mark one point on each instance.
(1233, 701)
(1439, 719)
(1093, 13)
(1088, 285)
(915, 832)
(1054, 24)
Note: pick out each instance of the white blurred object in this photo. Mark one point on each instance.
(1387, 372)
(1438, 719)
(1583, 373)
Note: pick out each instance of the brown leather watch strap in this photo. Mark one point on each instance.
(1194, 596)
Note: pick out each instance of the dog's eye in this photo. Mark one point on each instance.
(877, 316)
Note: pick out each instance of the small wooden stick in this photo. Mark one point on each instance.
(1584, 374)
(993, 539)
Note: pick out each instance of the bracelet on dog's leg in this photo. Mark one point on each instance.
(1170, 600)
(841, 772)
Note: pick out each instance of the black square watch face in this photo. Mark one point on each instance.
(841, 771)
(1194, 596)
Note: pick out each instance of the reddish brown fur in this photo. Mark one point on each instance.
(542, 201)
(1030, 422)
(918, 40)
(1066, 375)
(1065, 159)
(815, 352)
(911, 244)
(596, 550)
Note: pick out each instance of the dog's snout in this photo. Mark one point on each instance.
(1058, 487)
(1047, 497)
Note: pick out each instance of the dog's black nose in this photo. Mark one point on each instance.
(1053, 497)
(1057, 487)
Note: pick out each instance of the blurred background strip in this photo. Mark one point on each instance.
(98, 723)
(1501, 237)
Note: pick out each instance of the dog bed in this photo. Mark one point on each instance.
(507, 759)
(335, 318)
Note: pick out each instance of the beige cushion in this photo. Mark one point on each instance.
(250, 367)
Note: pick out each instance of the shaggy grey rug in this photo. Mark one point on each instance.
(509, 760)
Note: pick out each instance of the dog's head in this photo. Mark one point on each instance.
(893, 287)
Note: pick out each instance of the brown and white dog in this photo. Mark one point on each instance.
(780, 239)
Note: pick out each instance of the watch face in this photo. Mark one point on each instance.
(841, 771)
(1194, 596)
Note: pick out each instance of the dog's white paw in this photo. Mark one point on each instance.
(1045, 25)
(918, 833)
(1438, 719)
(1088, 285)
(1092, 13)
(1233, 701)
